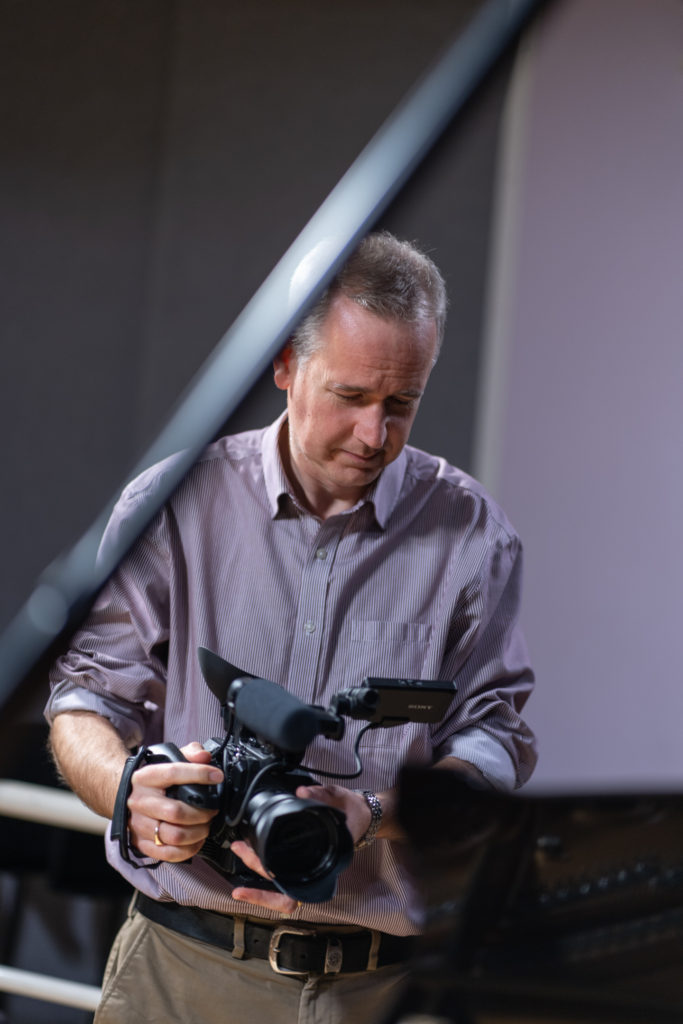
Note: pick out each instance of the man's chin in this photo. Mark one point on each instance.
(362, 471)
(354, 483)
(351, 462)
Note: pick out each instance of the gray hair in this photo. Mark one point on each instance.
(392, 279)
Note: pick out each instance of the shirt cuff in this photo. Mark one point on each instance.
(67, 697)
(486, 753)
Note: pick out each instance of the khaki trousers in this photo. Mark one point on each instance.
(156, 976)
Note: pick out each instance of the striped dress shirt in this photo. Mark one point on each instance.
(421, 579)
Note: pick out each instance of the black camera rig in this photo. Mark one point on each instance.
(303, 844)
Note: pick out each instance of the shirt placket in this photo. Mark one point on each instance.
(310, 631)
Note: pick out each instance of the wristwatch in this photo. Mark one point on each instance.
(375, 806)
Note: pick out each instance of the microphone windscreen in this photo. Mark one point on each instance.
(275, 715)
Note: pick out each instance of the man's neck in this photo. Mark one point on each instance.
(316, 500)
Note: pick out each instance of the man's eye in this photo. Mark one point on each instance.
(402, 404)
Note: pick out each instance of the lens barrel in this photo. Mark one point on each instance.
(303, 844)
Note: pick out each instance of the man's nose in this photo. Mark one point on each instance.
(371, 427)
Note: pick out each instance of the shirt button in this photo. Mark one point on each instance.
(321, 553)
(309, 627)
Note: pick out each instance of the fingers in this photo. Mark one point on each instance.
(172, 843)
(276, 901)
(176, 773)
(324, 794)
(196, 753)
(348, 801)
(247, 855)
(266, 898)
(335, 796)
(166, 840)
(148, 794)
(164, 828)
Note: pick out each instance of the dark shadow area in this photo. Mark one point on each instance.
(61, 903)
(556, 910)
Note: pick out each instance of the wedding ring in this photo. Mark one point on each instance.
(157, 838)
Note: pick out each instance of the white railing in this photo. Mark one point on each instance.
(52, 990)
(47, 806)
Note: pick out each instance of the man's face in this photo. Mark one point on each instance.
(352, 404)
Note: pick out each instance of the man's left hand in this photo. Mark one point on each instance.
(350, 803)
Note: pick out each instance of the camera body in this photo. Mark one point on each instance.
(303, 844)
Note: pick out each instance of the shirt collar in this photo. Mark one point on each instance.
(382, 496)
(273, 470)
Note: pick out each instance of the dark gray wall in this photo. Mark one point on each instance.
(157, 159)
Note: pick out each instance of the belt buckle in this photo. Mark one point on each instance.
(274, 948)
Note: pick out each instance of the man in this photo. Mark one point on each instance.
(313, 553)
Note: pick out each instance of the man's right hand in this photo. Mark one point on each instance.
(181, 829)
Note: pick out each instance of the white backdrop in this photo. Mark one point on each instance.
(581, 427)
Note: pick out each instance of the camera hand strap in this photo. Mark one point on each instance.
(119, 821)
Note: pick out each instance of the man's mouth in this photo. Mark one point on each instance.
(370, 459)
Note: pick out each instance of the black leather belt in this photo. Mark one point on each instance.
(290, 948)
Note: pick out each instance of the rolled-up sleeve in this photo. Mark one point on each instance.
(113, 666)
(491, 668)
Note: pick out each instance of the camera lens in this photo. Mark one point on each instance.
(302, 844)
(299, 842)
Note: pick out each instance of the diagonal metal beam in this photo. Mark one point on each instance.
(66, 589)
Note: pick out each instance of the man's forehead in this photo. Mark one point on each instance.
(350, 325)
(361, 387)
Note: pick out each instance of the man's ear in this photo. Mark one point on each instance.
(283, 369)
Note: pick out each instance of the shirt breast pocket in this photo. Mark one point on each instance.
(392, 650)
(395, 650)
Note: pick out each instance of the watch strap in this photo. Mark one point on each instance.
(373, 802)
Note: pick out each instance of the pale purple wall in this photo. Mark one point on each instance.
(581, 436)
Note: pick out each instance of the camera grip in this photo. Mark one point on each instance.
(193, 793)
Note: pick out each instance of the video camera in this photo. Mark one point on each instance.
(303, 844)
